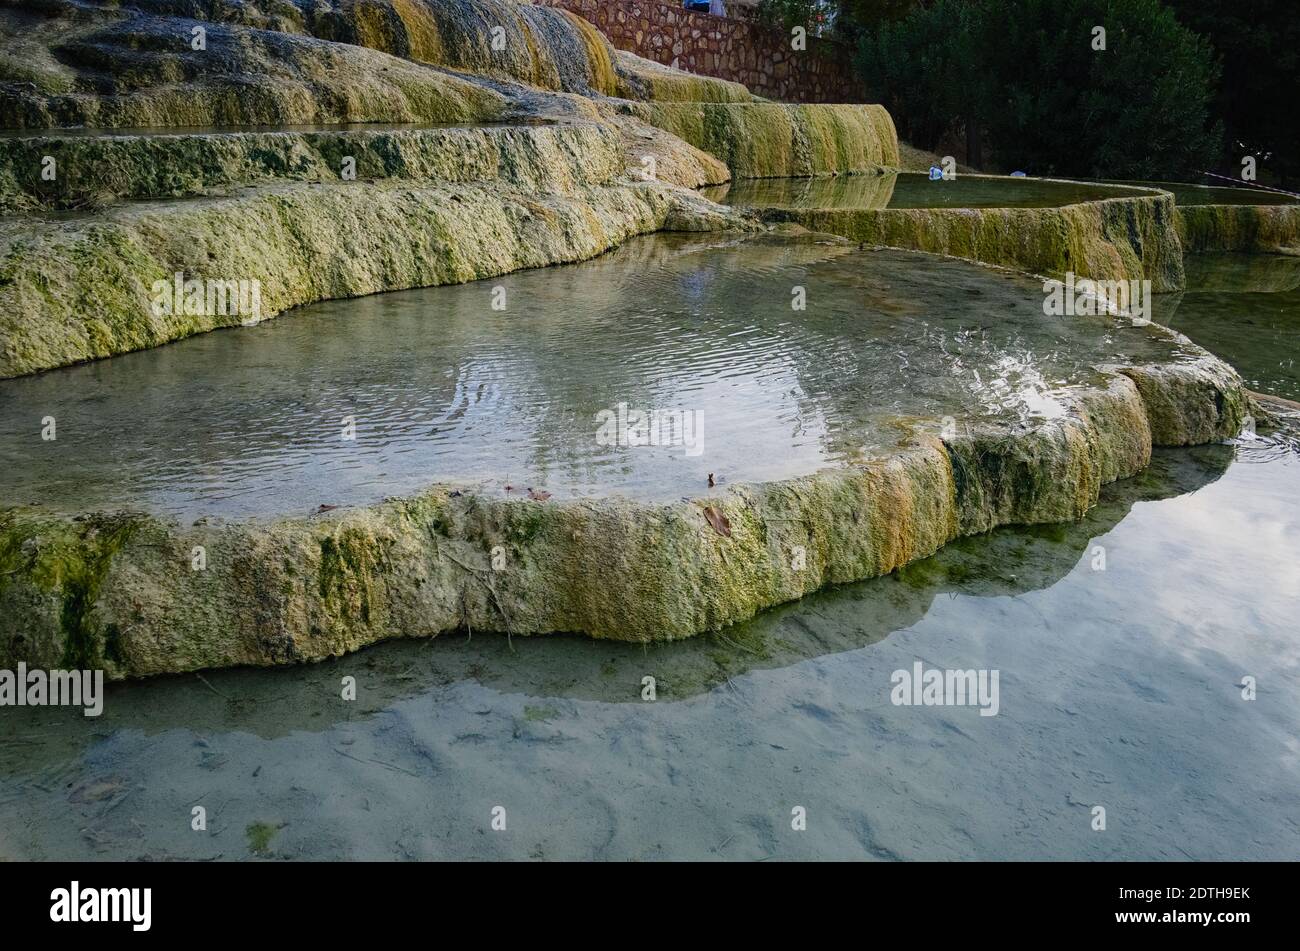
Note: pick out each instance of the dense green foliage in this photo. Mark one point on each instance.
(1259, 44)
(1025, 75)
(926, 68)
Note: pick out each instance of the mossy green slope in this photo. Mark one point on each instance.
(97, 171)
(80, 289)
(768, 139)
(644, 79)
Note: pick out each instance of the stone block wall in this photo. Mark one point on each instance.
(740, 50)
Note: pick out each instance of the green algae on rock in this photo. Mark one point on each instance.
(653, 153)
(305, 589)
(244, 76)
(99, 170)
(648, 80)
(82, 288)
(1248, 228)
(1120, 238)
(284, 63)
(1240, 219)
(768, 139)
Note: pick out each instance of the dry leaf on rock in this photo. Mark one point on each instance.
(719, 521)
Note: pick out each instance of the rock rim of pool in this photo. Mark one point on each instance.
(1125, 233)
(1268, 223)
(1252, 229)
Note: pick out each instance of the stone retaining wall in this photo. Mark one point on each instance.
(738, 50)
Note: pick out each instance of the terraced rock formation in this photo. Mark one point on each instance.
(481, 150)
(75, 285)
(436, 207)
(509, 136)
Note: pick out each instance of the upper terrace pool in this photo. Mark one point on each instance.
(1189, 194)
(438, 386)
(910, 190)
(917, 190)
